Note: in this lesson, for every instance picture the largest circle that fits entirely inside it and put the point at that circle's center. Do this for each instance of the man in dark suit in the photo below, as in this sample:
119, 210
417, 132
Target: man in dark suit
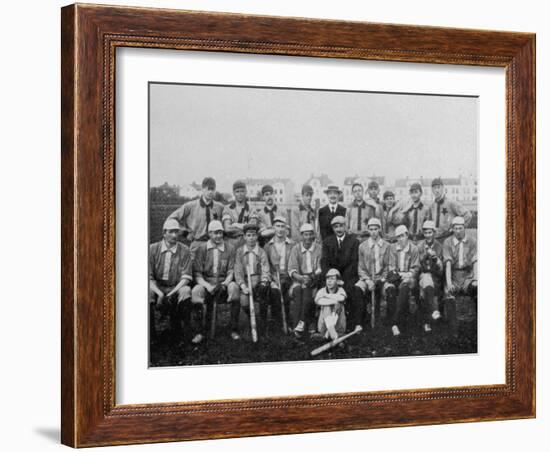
331, 210
340, 251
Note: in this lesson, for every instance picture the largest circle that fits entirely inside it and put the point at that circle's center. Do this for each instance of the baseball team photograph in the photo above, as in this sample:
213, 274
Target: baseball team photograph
290, 225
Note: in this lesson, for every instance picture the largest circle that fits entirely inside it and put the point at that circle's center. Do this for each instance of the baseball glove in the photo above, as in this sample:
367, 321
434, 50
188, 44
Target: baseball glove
393, 278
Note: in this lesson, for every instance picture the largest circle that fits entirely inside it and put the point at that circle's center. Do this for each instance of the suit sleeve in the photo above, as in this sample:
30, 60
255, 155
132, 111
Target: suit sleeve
325, 262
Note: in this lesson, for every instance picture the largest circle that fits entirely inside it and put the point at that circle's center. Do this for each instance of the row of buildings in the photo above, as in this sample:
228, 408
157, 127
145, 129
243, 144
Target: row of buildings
461, 188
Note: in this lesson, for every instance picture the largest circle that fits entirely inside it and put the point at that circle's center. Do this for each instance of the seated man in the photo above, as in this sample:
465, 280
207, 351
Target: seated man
372, 268
170, 268
404, 265
460, 260
251, 260
304, 267
214, 266
431, 269
278, 253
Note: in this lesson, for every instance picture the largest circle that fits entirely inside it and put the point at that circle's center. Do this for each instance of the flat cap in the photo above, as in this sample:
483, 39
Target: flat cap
333, 272
279, 219
458, 220
267, 189
209, 182
428, 224
416, 186
437, 181
338, 220
307, 227
170, 224
238, 184
215, 225
250, 227
307, 189
401, 229
374, 222
373, 184
388, 193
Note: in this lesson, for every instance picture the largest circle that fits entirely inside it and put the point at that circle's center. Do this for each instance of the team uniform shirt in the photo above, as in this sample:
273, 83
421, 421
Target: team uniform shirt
463, 255
278, 255
256, 259
443, 211
194, 216
302, 215
267, 216
414, 217
392, 219
214, 262
404, 259
375, 210
168, 266
305, 261
427, 265
374, 258
356, 214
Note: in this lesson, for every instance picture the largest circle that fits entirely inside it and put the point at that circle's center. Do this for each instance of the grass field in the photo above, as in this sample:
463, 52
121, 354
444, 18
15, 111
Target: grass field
169, 351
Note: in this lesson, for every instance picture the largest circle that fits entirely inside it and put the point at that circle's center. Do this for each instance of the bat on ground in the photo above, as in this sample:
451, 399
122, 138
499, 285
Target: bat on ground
333, 343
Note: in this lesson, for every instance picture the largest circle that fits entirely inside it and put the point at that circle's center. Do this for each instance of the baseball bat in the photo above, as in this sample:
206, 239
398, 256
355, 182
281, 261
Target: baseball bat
285, 328
251, 305
372, 303
333, 343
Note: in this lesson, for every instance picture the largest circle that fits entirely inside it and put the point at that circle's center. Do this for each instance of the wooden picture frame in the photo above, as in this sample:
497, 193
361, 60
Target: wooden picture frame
90, 35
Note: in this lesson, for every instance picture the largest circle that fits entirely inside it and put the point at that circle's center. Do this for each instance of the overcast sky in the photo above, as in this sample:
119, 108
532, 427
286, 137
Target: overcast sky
239, 132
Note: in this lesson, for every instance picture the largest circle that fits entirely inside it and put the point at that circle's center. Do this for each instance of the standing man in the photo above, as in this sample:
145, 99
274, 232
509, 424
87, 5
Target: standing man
195, 216
374, 256
404, 265
304, 213
170, 269
375, 209
250, 257
415, 213
444, 210
460, 260
340, 251
266, 215
236, 215
430, 253
330, 211
392, 216
304, 267
278, 254
356, 214
214, 267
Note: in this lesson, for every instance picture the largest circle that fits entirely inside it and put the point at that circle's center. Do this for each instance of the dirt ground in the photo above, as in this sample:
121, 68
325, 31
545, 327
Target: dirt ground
168, 350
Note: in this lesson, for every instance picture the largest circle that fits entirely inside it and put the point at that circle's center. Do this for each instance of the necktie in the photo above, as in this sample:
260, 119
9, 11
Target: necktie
271, 216
216, 262
339, 244
415, 220
241, 215
332, 210
438, 214
309, 215
460, 254
359, 208
376, 259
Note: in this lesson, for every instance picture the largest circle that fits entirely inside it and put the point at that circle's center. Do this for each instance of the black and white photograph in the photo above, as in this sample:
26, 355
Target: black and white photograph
291, 224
